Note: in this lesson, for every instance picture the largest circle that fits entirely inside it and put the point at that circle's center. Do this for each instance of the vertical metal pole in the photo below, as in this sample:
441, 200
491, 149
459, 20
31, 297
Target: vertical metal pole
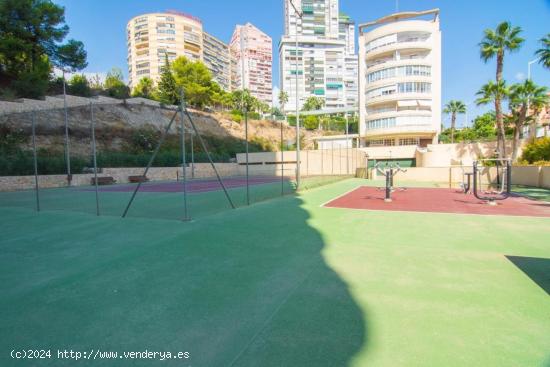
92, 123
332, 158
347, 147
307, 162
192, 157
388, 186
245, 112
67, 150
246, 154
282, 162
322, 162
297, 107
183, 158
340, 159
35, 159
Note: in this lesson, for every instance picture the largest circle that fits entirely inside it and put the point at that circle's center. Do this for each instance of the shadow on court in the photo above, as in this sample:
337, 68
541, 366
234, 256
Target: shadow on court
248, 287
536, 268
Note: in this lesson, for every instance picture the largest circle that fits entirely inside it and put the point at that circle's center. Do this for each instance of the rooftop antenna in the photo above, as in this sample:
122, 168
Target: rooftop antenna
397, 6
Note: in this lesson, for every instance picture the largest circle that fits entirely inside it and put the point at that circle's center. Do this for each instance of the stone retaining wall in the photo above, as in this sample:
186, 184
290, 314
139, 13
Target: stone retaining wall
202, 170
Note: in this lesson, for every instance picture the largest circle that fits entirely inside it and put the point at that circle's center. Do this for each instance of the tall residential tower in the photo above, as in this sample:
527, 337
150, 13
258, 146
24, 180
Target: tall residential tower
325, 61
251, 50
400, 79
153, 37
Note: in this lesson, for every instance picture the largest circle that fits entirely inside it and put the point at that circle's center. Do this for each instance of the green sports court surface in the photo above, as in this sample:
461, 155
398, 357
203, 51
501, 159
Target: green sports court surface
284, 282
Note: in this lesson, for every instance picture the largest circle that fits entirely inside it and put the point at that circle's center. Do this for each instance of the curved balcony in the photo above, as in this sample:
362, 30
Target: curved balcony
371, 68
395, 113
420, 129
396, 97
392, 47
397, 79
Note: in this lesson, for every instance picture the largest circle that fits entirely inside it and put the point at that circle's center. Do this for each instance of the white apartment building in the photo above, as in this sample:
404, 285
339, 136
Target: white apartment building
152, 37
252, 51
400, 79
325, 61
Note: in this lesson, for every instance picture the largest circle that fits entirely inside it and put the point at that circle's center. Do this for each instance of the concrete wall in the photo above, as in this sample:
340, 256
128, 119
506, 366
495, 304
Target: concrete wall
202, 170
452, 176
437, 155
340, 161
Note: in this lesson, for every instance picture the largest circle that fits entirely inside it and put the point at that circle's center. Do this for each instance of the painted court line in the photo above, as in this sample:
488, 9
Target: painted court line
338, 197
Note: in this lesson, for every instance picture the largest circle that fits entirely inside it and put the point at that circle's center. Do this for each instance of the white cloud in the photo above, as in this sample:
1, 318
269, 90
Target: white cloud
520, 76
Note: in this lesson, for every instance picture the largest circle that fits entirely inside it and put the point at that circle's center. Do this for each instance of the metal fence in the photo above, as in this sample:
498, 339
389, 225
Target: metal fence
66, 160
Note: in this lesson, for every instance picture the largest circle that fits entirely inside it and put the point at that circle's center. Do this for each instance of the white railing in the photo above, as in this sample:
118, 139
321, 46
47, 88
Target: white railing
402, 129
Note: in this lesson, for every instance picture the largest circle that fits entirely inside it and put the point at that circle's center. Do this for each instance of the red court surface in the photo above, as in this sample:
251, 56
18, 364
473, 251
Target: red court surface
438, 201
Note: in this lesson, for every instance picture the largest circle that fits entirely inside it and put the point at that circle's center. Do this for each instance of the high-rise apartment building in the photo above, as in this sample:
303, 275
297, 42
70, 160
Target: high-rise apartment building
153, 37
252, 50
325, 60
400, 79
217, 58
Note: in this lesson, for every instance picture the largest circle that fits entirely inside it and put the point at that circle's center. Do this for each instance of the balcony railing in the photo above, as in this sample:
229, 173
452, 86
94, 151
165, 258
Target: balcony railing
402, 129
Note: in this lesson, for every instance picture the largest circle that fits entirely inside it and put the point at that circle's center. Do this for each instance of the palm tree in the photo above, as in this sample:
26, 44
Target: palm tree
505, 38
490, 93
453, 107
526, 98
544, 52
283, 99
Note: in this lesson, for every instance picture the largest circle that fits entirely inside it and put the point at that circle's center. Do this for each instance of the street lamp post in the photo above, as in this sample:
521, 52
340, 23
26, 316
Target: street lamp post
298, 15
67, 152
529, 67
531, 133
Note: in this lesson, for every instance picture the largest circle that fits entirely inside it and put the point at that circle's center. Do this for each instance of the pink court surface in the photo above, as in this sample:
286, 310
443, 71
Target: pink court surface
436, 200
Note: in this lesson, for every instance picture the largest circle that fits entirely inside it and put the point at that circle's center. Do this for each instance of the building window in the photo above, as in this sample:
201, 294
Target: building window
381, 123
414, 87
410, 70
381, 143
409, 141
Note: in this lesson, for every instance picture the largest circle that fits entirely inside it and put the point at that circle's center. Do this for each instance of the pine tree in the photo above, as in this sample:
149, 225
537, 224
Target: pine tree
168, 92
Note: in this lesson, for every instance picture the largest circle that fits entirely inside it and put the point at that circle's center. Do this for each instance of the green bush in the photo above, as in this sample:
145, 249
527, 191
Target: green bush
236, 117
79, 86
261, 144
311, 122
137, 153
536, 151
254, 116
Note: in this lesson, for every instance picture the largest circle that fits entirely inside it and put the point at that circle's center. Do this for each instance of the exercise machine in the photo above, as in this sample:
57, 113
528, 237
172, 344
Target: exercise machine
389, 171
503, 179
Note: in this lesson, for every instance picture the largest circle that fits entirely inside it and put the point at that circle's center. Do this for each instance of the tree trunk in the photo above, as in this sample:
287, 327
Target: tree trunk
453, 121
501, 135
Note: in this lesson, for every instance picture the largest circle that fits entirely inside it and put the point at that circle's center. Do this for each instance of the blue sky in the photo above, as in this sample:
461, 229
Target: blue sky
100, 24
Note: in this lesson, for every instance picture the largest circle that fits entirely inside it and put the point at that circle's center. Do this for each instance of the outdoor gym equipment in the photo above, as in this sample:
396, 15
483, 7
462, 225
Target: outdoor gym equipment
389, 171
504, 180
466, 184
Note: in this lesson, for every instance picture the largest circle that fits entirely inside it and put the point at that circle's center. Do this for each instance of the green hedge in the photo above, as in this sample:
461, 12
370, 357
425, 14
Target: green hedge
22, 164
